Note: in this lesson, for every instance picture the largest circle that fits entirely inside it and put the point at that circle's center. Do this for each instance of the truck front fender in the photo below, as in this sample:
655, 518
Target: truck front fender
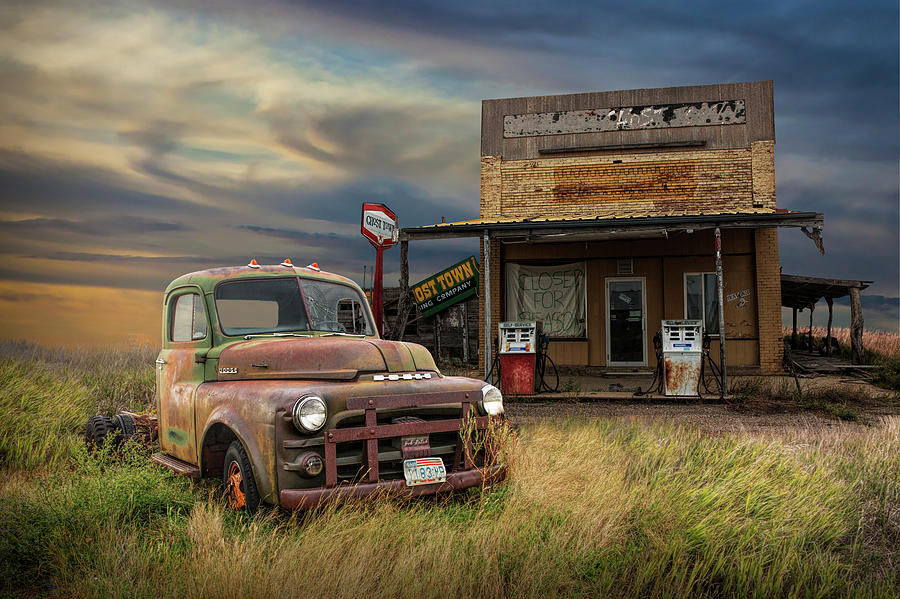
257, 439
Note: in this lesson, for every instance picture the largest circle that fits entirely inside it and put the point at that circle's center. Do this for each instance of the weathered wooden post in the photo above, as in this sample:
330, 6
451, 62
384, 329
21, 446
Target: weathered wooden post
405, 300
856, 327
437, 336
794, 333
465, 331
830, 303
809, 341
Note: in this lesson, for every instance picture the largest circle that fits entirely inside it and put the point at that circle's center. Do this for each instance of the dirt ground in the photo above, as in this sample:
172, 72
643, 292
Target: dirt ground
869, 403
612, 396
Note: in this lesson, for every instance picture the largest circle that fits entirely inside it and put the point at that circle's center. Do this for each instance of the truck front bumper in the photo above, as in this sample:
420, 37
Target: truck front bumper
456, 481
462, 471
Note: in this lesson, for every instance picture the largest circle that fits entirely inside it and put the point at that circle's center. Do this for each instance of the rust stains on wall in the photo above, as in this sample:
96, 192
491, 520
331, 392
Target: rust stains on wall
658, 181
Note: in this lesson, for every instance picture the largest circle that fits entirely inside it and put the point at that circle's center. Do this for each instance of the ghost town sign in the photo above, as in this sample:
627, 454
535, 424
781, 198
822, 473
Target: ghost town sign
448, 287
694, 114
379, 225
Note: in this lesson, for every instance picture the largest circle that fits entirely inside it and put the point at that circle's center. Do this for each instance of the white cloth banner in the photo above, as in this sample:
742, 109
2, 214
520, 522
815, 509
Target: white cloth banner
554, 294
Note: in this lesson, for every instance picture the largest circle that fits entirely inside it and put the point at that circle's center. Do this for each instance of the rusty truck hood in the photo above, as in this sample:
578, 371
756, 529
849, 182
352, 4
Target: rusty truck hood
320, 358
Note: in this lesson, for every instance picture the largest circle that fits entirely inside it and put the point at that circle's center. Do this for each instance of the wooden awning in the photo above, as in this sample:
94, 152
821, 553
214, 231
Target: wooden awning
803, 292
554, 229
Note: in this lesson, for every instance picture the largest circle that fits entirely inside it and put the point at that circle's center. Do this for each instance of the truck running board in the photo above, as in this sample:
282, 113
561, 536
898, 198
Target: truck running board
179, 466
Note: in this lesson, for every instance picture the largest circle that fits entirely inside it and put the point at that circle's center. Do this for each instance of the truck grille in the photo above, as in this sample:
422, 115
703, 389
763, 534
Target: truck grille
350, 467
383, 422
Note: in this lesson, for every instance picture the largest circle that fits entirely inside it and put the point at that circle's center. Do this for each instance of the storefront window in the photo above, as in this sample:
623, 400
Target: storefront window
701, 300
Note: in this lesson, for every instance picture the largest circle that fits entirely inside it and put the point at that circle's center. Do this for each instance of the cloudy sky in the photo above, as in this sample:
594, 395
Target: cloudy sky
142, 141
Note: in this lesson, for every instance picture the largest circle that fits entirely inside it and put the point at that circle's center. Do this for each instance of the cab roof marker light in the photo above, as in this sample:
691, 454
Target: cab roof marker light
313, 266
253, 263
287, 262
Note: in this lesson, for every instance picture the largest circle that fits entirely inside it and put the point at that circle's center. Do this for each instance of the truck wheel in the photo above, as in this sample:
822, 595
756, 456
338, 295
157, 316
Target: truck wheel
96, 431
239, 485
125, 427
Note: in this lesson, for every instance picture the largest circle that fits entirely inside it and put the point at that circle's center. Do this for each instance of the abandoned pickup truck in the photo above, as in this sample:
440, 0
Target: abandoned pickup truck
276, 378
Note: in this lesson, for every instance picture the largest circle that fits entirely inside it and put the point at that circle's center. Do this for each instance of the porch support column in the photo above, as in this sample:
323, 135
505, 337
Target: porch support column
856, 326
404, 300
794, 332
830, 303
486, 266
809, 341
721, 297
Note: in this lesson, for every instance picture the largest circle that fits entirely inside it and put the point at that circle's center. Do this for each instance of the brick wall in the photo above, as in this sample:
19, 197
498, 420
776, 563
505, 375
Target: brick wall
762, 158
768, 300
490, 187
635, 184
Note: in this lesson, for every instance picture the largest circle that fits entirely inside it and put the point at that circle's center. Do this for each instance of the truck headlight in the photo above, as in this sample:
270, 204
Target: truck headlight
491, 400
309, 414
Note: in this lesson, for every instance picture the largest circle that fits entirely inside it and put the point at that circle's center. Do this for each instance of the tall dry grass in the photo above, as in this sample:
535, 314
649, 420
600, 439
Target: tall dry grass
879, 342
591, 509
879, 348
47, 395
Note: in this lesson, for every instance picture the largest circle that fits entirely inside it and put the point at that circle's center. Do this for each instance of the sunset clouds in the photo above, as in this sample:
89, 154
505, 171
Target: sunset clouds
141, 141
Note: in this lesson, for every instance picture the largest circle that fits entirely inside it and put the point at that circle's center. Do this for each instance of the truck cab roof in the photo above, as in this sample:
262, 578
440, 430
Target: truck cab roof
209, 278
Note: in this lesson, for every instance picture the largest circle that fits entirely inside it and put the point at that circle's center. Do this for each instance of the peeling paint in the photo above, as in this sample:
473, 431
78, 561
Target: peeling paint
697, 114
176, 436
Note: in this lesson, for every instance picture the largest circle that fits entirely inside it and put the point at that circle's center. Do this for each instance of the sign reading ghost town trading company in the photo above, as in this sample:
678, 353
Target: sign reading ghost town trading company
448, 287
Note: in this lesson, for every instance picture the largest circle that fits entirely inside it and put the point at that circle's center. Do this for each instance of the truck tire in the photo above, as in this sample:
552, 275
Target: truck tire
125, 426
238, 481
97, 430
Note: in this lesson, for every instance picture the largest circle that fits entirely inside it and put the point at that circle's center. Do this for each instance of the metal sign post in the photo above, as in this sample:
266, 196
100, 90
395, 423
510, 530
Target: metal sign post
487, 303
721, 285
379, 226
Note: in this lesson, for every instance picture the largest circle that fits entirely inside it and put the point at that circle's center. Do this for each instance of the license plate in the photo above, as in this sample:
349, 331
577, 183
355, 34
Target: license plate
424, 471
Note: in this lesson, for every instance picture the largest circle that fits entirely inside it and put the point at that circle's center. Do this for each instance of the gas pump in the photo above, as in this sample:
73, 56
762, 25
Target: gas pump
518, 343
682, 351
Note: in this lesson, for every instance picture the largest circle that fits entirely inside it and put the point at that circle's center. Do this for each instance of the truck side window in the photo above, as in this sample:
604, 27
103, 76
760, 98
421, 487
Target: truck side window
188, 318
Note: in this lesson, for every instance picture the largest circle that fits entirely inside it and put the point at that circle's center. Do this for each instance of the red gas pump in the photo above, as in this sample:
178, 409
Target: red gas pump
517, 349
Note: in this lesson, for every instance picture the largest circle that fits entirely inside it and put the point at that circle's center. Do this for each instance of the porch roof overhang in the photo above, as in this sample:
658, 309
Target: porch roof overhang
803, 292
561, 229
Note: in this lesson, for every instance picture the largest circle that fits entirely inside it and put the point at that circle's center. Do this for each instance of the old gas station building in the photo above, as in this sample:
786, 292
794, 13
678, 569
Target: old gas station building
600, 214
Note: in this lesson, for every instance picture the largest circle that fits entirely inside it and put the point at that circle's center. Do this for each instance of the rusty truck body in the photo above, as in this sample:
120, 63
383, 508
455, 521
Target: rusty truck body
275, 378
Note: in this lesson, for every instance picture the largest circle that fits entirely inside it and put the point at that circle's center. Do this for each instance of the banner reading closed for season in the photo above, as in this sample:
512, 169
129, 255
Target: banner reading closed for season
554, 294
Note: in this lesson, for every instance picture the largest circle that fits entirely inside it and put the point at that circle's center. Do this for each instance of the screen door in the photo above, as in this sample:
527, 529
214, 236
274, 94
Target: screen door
626, 342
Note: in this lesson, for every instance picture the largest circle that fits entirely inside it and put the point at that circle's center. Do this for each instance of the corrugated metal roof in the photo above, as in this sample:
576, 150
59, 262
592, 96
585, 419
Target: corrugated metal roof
605, 217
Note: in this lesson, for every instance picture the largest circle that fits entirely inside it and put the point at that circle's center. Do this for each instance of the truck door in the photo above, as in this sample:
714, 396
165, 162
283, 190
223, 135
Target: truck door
180, 370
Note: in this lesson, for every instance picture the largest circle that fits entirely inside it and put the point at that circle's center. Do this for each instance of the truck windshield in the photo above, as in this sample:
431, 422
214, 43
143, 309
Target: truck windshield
277, 306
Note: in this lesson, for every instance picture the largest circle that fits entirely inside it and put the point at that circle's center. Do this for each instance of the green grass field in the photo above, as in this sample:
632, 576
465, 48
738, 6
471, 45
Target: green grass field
591, 509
